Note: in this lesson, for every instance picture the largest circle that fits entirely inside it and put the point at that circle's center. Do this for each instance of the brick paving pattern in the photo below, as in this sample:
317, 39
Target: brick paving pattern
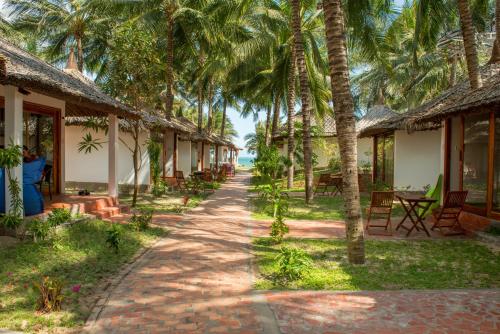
381, 312
199, 280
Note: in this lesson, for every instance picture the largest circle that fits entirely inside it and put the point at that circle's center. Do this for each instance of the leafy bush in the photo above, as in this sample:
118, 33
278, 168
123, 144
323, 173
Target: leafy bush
39, 229
114, 237
292, 263
141, 221
58, 216
11, 157
278, 227
50, 294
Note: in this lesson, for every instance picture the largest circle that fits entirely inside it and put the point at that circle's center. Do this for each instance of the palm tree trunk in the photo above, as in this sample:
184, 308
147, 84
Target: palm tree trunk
224, 111
200, 107
291, 117
210, 105
469, 44
304, 96
169, 103
495, 51
346, 126
276, 116
79, 47
268, 124
453, 70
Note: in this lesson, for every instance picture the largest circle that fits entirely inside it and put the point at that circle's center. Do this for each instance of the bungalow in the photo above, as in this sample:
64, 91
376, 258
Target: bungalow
402, 160
325, 146
455, 135
470, 122
36, 98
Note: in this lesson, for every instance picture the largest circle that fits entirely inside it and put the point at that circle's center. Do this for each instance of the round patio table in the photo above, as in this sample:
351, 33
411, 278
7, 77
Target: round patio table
411, 204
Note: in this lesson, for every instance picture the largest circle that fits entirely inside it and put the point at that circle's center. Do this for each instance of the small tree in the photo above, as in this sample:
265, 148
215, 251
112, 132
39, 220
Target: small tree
154, 152
134, 75
10, 158
271, 165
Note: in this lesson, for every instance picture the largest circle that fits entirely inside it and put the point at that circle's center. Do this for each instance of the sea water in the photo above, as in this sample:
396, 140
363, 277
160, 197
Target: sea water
245, 161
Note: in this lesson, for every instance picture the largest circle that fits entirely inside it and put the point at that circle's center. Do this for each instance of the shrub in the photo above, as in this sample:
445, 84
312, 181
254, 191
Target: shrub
58, 216
50, 294
114, 237
278, 227
39, 229
141, 221
11, 157
292, 263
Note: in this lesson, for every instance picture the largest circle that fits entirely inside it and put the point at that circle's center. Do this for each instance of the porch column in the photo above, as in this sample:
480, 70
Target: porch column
113, 156
62, 151
216, 158
13, 134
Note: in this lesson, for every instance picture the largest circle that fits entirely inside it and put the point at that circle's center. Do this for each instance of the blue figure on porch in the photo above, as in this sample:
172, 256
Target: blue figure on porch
32, 198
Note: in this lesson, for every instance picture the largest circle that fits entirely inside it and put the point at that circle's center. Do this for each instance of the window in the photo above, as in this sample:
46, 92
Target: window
475, 159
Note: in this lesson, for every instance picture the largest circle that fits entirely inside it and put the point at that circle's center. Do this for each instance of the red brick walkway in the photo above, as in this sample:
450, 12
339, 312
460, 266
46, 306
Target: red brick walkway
199, 280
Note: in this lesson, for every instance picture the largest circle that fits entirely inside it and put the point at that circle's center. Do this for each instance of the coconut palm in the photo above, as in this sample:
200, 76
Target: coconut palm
346, 126
304, 96
470, 46
60, 25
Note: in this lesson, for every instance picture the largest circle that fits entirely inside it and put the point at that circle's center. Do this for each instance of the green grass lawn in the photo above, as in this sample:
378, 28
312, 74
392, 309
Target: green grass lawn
390, 265
78, 255
322, 208
169, 203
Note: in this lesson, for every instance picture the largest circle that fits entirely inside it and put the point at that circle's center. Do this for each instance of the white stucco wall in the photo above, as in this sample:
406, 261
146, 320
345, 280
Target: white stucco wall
455, 153
194, 156
184, 157
206, 158
93, 167
169, 150
417, 159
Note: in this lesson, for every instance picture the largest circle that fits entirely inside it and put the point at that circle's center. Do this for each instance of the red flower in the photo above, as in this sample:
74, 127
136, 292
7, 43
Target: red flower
76, 288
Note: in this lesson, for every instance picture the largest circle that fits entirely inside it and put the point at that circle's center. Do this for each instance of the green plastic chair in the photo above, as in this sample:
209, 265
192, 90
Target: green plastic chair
434, 193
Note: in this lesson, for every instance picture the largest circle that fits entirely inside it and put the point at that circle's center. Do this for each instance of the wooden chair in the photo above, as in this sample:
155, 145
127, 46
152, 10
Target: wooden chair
381, 207
446, 217
181, 182
322, 184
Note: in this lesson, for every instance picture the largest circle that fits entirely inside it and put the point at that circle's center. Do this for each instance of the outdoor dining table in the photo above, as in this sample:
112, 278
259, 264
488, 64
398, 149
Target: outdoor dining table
411, 203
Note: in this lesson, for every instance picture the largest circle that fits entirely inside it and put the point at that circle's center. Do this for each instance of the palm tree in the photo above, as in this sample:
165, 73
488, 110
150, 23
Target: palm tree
346, 126
60, 24
469, 44
305, 98
291, 118
495, 53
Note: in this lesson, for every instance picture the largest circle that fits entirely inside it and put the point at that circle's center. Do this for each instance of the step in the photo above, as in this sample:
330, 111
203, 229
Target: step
106, 213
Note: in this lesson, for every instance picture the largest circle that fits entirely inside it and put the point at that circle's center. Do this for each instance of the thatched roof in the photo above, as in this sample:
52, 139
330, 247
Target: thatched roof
373, 120
22, 69
459, 99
